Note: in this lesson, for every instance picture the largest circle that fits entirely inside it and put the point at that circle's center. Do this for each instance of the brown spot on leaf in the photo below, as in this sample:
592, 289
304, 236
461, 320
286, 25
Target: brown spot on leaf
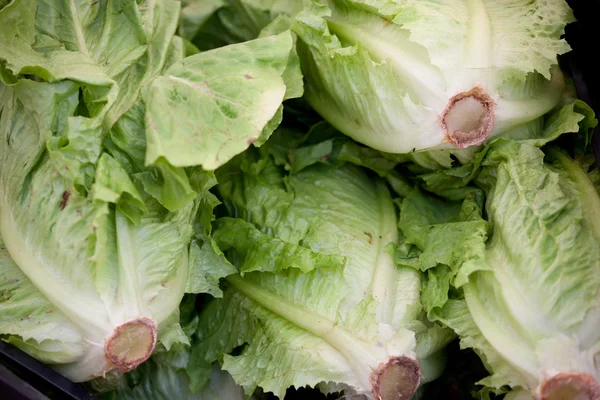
248, 76
5, 295
369, 236
64, 200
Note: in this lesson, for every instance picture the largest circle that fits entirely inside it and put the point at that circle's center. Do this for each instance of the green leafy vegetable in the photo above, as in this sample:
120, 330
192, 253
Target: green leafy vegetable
320, 301
530, 290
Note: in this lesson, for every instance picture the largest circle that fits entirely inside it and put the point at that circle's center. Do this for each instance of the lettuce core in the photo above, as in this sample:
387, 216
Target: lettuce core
570, 386
468, 118
131, 344
399, 378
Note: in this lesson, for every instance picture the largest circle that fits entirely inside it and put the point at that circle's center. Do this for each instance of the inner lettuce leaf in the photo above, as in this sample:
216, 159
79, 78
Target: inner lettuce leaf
216, 23
519, 283
330, 309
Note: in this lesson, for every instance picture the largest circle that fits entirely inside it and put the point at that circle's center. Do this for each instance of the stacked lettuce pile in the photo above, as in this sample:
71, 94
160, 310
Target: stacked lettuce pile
229, 198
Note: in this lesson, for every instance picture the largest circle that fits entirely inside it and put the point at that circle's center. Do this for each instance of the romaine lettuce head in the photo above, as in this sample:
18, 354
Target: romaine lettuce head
528, 274
404, 76
104, 125
318, 300
88, 276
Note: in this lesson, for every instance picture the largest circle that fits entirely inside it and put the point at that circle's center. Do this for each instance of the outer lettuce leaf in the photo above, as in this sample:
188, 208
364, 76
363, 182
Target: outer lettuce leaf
206, 109
44, 322
562, 200
509, 47
302, 358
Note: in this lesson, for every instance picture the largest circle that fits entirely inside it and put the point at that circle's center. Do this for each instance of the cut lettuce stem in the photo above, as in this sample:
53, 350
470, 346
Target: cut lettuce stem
399, 378
570, 386
131, 344
468, 118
